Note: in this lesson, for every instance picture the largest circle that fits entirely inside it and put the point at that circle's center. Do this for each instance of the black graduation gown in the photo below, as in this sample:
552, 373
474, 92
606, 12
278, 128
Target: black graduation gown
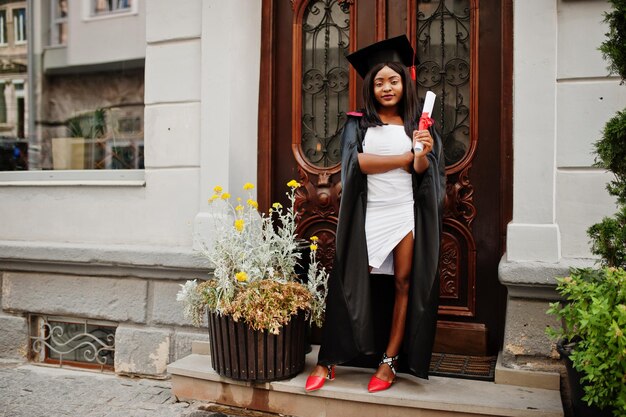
351, 306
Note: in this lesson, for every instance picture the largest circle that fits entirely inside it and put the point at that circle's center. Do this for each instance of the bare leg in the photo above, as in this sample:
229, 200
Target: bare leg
402, 263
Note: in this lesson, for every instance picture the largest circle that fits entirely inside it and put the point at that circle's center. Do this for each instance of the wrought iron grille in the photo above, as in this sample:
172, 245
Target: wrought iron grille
63, 340
443, 49
325, 34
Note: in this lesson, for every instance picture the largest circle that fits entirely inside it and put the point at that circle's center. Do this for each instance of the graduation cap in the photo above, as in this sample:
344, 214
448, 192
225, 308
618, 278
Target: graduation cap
396, 49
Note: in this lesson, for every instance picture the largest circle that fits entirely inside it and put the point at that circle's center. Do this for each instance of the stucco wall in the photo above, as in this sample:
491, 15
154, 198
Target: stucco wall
586, 99
201, 97
132, 242
562, 98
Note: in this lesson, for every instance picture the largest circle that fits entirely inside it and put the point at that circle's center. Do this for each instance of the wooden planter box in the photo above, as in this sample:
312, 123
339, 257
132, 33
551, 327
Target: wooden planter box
238, 352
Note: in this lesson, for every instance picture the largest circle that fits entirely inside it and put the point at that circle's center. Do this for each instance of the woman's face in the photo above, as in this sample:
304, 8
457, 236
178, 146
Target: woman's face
388, 87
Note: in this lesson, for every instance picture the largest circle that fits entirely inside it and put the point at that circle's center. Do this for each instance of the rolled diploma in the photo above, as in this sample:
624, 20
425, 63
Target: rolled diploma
425, 120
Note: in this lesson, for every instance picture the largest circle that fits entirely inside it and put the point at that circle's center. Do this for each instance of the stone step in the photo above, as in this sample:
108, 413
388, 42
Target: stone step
193, 378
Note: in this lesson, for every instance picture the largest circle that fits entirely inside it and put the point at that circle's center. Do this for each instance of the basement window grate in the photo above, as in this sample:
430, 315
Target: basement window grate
72, 341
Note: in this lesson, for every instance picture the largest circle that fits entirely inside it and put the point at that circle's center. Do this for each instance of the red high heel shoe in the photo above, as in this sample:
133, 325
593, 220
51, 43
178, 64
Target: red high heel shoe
376, 384
313, 383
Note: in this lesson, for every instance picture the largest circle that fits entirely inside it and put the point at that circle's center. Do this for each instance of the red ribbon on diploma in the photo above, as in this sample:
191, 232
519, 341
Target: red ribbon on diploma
425, 122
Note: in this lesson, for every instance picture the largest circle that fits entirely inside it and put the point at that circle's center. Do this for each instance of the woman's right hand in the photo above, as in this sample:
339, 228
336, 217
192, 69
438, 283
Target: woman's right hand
408, 161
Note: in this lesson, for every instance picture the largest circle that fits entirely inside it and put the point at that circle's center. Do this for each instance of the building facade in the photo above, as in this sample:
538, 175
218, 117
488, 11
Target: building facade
13, 84
103, 247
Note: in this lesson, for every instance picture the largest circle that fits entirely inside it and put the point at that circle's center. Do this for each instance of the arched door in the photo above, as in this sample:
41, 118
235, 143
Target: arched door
307, 88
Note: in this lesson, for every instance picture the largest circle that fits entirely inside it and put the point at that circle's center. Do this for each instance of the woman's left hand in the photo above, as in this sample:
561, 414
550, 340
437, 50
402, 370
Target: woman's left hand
422, 136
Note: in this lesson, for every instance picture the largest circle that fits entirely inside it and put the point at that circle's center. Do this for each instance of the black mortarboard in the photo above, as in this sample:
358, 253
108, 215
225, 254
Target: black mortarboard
396, 49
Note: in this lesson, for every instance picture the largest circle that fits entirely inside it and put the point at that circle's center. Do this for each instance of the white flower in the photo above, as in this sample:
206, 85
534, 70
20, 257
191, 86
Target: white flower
193, 304
187, 288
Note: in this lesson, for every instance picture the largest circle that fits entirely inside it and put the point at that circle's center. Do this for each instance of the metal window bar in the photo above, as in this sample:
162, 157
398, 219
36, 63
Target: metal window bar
74, 342
326, 37
443, 48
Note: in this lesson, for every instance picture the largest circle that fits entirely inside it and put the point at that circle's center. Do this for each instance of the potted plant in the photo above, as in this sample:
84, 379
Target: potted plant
76, 150
257, 307
592, 339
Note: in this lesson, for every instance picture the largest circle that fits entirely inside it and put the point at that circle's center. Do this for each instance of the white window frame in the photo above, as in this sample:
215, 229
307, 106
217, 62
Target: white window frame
4, 41
54, 22
69, 178
89, 11
17, 27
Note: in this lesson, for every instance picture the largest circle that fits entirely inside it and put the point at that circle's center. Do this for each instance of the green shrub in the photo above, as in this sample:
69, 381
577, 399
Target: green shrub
614, 48
611, 154
595, 314
609, 239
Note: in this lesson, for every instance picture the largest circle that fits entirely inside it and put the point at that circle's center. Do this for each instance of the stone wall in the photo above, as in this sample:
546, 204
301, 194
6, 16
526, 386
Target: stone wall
140, 298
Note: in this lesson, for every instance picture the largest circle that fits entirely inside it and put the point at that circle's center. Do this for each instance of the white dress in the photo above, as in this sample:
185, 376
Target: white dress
389, 215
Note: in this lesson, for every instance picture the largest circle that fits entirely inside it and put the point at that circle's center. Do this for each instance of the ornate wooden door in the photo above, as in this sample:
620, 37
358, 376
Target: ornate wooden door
465, 54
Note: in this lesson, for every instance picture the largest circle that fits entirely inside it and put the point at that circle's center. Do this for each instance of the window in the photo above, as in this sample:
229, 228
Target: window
325, 33
87, 117
105, 7
3, 27
70, 341
19, 25
58, 24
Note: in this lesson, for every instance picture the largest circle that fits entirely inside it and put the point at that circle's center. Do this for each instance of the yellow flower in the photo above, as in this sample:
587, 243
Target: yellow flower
239, 207
241, 276
213, 198
277, 206
239, 223
314, 238
313, 247
248, 186
238, 198
253, 203
293, 184
218, 189
225, 196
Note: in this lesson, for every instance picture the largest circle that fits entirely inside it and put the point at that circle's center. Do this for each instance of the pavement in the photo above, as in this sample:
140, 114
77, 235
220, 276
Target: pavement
28, 390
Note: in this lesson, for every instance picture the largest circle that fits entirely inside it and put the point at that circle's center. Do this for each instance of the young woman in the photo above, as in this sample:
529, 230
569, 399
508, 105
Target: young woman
389, 223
